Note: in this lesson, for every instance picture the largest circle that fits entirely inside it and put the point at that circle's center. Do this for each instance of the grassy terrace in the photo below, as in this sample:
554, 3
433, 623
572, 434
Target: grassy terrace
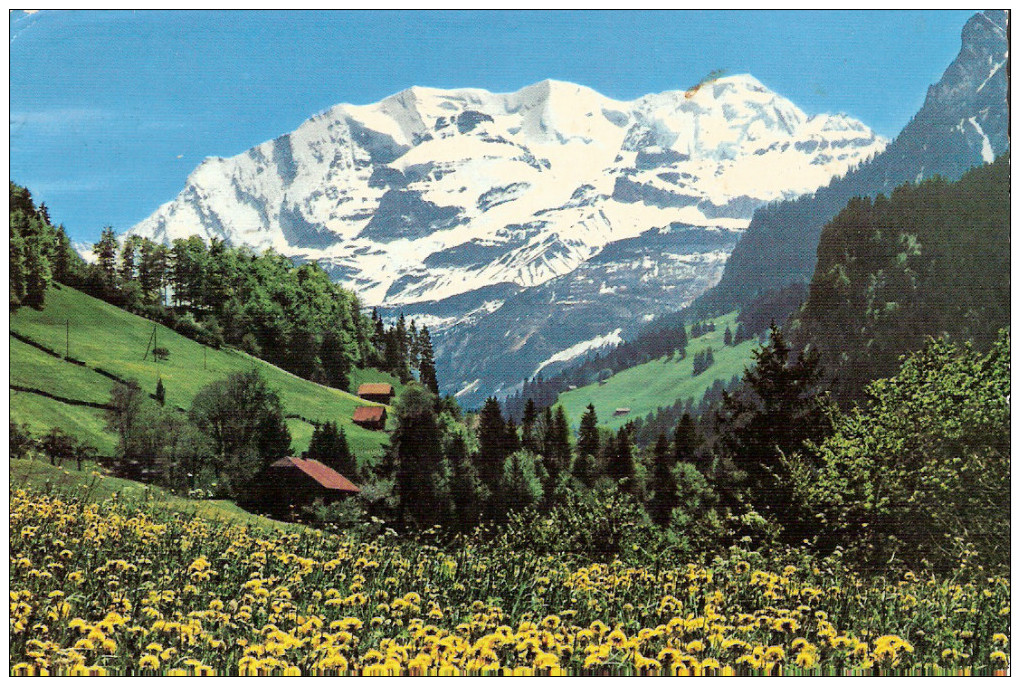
114, 340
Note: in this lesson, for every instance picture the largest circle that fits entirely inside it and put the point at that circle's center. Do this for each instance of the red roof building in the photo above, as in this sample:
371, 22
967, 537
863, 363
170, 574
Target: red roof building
373, 418
291, 483
376, 392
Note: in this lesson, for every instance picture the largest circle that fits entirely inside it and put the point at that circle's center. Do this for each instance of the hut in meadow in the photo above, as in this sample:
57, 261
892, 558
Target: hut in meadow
376, 392
292, 483
372, 418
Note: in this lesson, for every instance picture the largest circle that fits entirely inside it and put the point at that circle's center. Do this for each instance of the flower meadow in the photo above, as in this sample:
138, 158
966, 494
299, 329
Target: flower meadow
110, 588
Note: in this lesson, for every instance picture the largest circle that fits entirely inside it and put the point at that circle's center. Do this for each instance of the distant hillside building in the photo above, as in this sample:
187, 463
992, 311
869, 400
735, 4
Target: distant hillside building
622, 411
373, 418
376, 392
292, 483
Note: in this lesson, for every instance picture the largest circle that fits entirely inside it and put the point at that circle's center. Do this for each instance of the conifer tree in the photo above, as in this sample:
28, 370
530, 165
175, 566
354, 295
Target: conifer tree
106, 255
529, 419
427, 363
416, 449
17, 271
37, 275
585, 463
127, 258
664, 489
620, 464
492, 451
728, 336
160, 392
686, 439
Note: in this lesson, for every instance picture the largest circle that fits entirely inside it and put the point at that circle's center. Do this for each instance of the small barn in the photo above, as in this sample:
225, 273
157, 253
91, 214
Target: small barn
373, 418
622, 411
291, 483
376, 392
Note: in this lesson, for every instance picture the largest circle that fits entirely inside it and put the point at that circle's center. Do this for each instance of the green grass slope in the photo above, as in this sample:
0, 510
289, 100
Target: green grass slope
114, 340
661, 382
91, 486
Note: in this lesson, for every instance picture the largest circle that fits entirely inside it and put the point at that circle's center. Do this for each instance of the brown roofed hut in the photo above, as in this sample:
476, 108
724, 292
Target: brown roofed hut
373, 418
376, 392
292, 483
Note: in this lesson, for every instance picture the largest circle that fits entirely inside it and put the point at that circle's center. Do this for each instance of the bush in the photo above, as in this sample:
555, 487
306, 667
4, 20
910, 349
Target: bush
598, 525
932, 448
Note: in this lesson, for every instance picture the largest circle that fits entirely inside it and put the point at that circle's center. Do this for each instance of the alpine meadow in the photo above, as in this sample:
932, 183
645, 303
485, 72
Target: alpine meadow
529, 343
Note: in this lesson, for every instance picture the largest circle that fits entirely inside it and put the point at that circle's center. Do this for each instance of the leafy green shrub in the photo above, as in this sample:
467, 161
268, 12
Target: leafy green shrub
922, 473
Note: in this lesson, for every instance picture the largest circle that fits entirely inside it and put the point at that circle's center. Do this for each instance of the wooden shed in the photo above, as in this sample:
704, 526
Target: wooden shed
373, 418
291, 483
376, 392
622, 411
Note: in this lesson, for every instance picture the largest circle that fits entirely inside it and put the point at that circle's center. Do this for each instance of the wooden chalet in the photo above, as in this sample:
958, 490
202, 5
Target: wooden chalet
376, 392
372, 418
622, 411
292, 483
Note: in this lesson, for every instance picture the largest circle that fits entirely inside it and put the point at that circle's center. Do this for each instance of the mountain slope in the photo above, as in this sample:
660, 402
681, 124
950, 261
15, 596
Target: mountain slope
932, 259
964, 122
449, 203
112, 343
646, 388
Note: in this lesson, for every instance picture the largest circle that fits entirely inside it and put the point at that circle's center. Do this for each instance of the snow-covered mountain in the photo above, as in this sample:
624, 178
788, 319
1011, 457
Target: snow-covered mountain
451, 202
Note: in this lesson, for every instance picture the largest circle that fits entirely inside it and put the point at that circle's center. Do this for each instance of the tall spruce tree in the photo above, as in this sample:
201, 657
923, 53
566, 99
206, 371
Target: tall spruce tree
556, 447
586, 462
416, 448
686, 439
106, 255
664, 489
492, 451
427, 362
620, 463
778, 410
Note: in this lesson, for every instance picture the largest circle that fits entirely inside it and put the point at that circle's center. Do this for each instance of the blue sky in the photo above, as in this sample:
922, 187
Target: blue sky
110, 111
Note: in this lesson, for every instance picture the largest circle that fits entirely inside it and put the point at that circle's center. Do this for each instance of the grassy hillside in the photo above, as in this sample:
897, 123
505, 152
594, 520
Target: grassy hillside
88, 485
661, 382
115, 341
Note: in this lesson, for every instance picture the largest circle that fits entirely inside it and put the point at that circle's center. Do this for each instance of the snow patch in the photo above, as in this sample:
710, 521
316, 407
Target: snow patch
986, 145
609, 340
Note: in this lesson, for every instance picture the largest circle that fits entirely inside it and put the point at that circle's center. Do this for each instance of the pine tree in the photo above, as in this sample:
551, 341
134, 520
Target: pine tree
587, 447
520, 485
416, 448
492, 450
336, 360
777, 411
106, 255
556, 447
686, 439
160, 392
620, 466
464, 484
127, 258
64, 257
37, 275
427, 363
728, 336
528, 435
664, 489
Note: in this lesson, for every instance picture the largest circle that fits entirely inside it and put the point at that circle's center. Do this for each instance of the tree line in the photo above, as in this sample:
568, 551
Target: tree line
291, 315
